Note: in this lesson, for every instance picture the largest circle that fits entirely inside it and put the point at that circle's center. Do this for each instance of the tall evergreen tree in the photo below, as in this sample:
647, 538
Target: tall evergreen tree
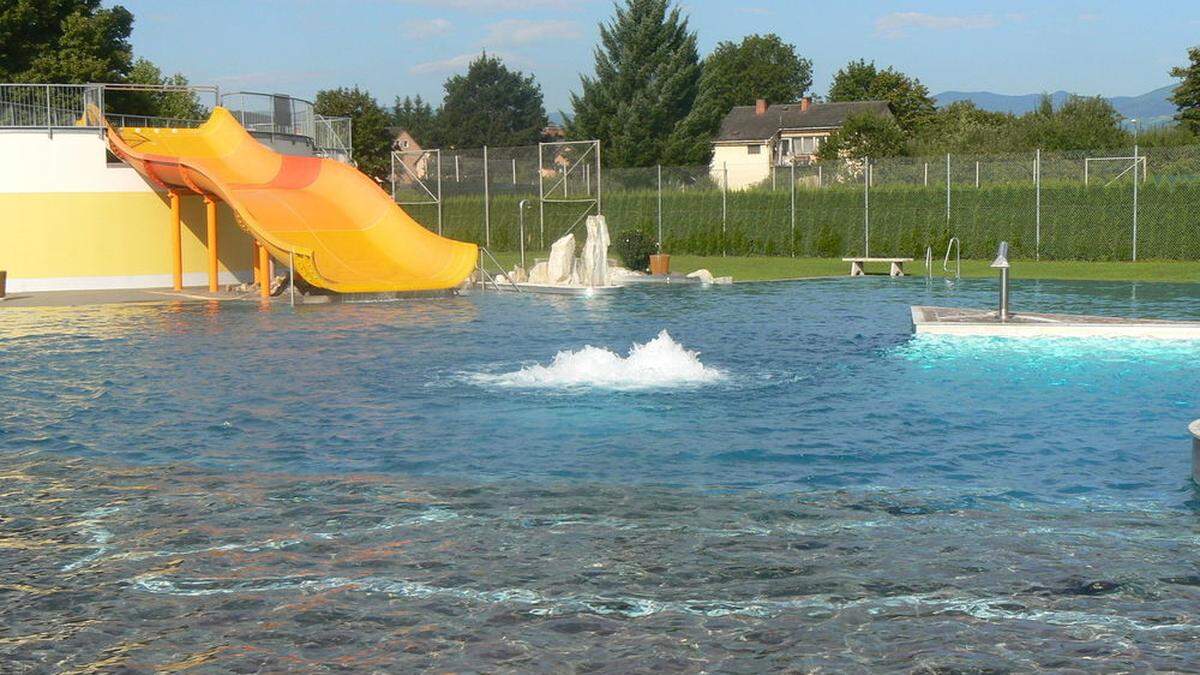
1186, 96
646, 80
417, 117
491, 105
760, 66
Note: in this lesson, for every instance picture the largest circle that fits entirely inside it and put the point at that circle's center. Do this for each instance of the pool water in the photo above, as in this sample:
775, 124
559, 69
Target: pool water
784, 477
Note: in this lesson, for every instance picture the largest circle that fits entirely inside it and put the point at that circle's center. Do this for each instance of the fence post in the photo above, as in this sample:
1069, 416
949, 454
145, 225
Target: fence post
1135, 201
1037, 189
947, 190
514, 170
724, 204
541, 201
866, 207
487, 209
660, 237
793, 212
976, 174
926, 174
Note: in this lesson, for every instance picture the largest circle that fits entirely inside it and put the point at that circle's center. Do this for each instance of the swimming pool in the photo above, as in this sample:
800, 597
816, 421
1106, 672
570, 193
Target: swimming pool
423, 484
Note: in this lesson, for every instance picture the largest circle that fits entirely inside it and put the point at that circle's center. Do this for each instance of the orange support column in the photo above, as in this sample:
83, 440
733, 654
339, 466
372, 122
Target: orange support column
176, 244
210, 215
264, 272
254, 259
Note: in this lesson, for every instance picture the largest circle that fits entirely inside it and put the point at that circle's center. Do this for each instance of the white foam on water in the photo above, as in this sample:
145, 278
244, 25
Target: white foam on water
659, 363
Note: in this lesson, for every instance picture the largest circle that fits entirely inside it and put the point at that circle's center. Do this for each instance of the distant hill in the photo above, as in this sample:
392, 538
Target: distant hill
1151, 108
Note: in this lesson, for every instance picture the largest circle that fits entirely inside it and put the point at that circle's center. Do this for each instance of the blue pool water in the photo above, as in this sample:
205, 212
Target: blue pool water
815, 488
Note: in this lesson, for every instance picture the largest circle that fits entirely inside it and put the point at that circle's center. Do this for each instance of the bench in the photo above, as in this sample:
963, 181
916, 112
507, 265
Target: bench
856, 265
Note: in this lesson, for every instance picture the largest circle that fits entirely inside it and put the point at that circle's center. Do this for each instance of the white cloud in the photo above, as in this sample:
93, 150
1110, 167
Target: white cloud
495, 5
526, 31
898, 24
461, 61
423, 29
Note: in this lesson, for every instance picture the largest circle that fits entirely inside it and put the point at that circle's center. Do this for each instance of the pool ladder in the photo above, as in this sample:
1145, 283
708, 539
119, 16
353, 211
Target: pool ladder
956, 244
486, 277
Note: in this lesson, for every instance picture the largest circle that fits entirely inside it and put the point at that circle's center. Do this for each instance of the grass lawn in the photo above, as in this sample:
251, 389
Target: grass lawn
744, 268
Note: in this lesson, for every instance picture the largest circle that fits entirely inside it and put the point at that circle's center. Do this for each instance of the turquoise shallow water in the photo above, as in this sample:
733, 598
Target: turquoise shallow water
399, 485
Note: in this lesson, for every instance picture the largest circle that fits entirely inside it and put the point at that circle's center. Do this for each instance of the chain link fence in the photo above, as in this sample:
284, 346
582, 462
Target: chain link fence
1103, 205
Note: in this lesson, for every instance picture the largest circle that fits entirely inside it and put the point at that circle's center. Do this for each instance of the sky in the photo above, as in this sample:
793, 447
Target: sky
409, 47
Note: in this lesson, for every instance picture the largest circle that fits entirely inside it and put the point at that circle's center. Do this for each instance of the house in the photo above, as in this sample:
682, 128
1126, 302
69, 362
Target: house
410, 153
755, 138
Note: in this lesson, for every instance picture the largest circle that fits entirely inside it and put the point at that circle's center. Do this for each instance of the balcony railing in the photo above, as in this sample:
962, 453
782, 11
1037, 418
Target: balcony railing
76, 106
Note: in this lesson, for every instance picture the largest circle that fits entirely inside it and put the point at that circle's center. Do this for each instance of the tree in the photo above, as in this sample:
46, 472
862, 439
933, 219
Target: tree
963, 127
416, 117
490, 105
864, 135
176, 104
70, 41
862, 81
646, 80
760, 66
1186, 96
372, 141
1080, 123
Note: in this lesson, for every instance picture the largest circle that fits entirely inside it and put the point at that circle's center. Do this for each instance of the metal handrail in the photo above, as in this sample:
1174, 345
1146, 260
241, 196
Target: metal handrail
498, 266
956, 244
1001, 263
928, 262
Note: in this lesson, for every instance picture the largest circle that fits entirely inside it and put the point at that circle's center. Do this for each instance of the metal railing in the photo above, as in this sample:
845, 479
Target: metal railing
282, 114
48, 106
62, 106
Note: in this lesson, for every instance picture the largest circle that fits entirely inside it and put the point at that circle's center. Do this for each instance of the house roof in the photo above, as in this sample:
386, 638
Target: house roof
742, 124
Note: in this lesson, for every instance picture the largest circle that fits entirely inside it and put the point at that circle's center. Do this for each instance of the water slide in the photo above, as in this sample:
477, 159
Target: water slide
345, 232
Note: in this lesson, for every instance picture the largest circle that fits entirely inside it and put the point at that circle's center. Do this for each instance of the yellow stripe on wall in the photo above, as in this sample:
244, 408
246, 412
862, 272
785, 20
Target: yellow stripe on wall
93, 234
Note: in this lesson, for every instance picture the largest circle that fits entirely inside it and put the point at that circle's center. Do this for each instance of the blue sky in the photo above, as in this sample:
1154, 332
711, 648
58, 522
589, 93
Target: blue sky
403, 47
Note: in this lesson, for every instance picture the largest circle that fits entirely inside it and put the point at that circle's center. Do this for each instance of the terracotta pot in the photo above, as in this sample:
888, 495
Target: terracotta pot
660, 264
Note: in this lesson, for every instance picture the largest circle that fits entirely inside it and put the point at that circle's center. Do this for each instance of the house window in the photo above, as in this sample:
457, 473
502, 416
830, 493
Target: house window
753, 149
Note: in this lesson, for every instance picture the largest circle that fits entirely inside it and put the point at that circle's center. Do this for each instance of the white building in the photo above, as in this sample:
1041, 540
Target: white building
753, 138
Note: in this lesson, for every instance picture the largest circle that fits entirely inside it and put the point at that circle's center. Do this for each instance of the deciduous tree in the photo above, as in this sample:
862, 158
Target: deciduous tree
862, 81
371, 139
738, 73
64, 41
864, 135
491, 105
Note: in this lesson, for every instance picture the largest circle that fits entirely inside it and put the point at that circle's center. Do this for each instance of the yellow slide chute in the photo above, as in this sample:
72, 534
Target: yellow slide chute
345, 233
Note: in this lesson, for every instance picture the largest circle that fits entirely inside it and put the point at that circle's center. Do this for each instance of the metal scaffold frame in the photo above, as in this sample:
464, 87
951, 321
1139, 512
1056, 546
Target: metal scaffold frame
434, 192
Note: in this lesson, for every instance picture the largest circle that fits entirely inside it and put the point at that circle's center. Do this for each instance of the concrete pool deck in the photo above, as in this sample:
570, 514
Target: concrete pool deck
120, 296
1194, 427
983, 322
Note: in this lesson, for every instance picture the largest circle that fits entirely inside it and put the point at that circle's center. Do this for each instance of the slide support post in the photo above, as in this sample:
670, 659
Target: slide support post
176, 244
210, 217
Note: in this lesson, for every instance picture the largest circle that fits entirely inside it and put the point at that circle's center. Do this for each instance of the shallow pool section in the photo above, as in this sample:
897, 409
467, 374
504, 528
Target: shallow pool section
786, 477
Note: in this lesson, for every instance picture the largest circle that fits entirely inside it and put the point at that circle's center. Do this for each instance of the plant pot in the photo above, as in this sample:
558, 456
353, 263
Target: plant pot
660, 264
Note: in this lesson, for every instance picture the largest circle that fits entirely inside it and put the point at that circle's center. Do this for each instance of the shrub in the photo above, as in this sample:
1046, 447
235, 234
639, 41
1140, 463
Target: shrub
634, 248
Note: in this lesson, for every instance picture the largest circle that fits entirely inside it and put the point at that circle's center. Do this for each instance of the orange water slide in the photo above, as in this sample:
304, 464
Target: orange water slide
344, 232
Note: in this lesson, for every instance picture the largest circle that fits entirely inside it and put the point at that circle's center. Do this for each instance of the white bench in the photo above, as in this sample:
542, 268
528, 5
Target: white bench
856, 265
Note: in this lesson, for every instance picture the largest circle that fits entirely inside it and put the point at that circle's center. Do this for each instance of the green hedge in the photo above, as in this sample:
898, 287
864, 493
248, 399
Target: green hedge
1078, 222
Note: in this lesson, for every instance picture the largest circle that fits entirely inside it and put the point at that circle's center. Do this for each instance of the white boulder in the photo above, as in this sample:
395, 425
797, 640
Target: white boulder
562, 260
703, 275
